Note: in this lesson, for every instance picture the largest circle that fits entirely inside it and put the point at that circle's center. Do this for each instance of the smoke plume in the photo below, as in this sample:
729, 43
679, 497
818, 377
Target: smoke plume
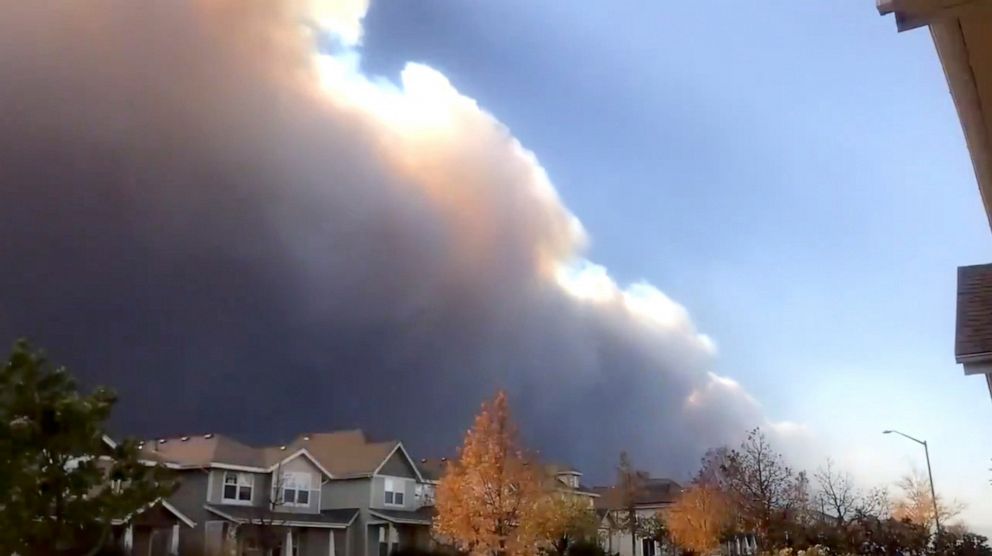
206, 205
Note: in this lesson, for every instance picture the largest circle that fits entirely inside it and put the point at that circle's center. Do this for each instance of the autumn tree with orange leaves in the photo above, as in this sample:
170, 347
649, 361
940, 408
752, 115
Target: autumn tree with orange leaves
699, 518
489, 500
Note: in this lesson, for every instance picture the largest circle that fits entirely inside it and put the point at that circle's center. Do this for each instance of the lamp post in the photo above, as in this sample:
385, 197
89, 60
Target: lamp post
933, 492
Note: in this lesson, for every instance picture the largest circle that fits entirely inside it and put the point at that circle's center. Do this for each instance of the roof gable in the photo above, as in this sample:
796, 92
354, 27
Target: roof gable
398, 464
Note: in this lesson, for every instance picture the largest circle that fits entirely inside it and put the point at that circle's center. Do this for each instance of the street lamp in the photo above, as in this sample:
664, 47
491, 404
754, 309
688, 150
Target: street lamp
933, 492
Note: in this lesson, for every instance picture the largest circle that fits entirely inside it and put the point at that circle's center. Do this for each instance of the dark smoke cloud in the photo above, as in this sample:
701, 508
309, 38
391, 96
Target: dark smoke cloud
191, 213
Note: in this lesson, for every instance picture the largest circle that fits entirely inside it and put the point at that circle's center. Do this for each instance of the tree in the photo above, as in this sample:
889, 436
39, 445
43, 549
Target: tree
836, 495
488, 501
699, 519
565, 520
262, 527
916, 502
61, 485
655, 528
961, 543
764, 489
630, 483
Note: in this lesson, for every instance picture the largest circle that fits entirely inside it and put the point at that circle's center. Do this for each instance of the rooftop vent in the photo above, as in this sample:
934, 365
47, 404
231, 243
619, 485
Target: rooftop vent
161, 441
184, 439
208, 435
282, 447
423, 460
444, 459
306, 437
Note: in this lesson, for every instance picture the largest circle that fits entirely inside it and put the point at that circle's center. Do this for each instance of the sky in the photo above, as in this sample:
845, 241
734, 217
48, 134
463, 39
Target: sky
794, 174
655, 225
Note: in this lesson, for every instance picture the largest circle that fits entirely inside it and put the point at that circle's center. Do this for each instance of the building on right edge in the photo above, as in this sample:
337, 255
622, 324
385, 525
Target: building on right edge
962, 34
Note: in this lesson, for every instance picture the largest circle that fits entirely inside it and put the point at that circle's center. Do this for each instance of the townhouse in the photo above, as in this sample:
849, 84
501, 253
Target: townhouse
326, 494
655, 497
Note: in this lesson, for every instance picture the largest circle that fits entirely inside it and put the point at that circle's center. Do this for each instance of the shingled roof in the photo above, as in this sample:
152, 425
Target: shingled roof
973, 338
343, 454
654, 492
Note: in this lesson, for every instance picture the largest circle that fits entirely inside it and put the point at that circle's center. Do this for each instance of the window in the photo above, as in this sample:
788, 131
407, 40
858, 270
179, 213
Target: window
647, 547
238, 486
394, 492
296, 488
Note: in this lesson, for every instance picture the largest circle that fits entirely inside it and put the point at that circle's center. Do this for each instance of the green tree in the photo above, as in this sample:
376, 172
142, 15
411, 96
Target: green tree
61, 485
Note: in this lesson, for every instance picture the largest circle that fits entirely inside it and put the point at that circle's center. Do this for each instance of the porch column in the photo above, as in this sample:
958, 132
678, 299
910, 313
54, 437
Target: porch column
287, 547
128, 539
330, 542
174, 540
390, 531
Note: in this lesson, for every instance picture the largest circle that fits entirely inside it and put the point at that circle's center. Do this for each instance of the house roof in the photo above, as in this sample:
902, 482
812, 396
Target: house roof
341, 454
331, 519
554, 472
421, 516
974, 315
204, 450
432, 469
346, 453
654, 492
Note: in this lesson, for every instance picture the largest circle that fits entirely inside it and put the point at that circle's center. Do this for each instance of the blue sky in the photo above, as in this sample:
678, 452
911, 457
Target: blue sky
794, 173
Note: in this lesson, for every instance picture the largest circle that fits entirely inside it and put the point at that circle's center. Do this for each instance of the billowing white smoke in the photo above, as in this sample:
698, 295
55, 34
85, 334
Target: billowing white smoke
243, 233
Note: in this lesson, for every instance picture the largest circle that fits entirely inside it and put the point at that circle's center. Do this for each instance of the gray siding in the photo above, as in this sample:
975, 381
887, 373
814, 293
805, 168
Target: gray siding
259, 495
303, 465
189, 499
356, 537
352, 493
398, 466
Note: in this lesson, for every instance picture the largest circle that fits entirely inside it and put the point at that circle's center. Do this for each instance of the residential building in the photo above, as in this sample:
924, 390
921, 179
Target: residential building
652, 499
962, 35
566, 479
334, 494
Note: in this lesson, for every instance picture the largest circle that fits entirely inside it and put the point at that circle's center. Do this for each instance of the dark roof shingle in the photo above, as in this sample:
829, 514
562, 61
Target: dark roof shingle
337, 518
974, 314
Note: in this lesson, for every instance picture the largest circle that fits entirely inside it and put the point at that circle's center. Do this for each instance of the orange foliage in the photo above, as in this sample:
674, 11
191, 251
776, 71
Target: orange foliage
489, 499
698, 518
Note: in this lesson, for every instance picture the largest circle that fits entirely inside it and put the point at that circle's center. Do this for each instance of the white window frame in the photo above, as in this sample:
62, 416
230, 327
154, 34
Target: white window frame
394, 487
241, 480
290, 481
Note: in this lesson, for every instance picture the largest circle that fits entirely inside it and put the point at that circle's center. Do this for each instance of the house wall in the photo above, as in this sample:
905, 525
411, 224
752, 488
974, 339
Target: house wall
618, 542
189, 499
356, 537
259, 495
300, 464
341, 540
351, 493
315, 542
